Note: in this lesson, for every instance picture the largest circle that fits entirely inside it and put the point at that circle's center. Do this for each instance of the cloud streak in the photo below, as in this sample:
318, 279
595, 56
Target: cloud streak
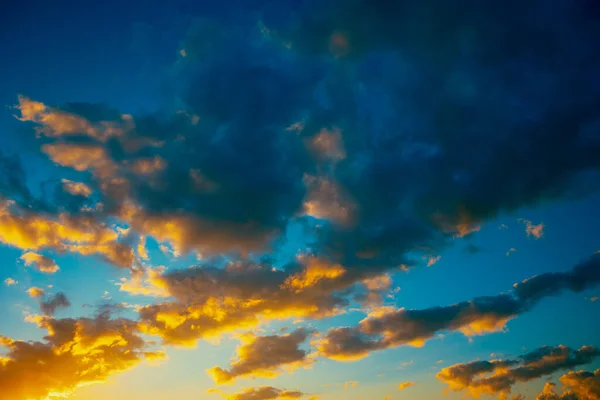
389, 327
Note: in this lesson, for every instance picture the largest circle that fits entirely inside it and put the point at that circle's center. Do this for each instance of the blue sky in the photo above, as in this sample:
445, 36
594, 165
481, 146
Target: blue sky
325, 200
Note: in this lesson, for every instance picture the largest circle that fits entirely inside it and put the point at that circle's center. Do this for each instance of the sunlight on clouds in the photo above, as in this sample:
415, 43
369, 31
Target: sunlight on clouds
537, 231
76, 188
314, 271
266, 357
76, 352
81, 157
350, 384
497, 377
326, 200
54, 122
148, 166
378, 136
262, 393
329, 145
145, 282
10, 282
35, 292
30, 231
406, 385
40, 262
460, 225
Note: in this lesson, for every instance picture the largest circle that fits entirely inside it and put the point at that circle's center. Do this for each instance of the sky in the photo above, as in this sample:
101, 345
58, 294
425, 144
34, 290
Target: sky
263, 200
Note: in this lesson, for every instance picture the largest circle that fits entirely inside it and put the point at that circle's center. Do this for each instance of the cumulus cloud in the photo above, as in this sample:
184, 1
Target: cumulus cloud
389, 327
208, 301
548, 393
76, 188
584, 384
30, 230
10, 282
266, 357
35, 292
40, 262
75, 352
537, 231
496, 377
263, 393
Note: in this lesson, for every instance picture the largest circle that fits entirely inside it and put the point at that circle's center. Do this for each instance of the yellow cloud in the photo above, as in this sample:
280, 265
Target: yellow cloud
76, 188
265, 357
405, 385
263, 393
40, 262
54, 122
315, 271
10, 282
76, 352
35, 292
27, 230
350, 384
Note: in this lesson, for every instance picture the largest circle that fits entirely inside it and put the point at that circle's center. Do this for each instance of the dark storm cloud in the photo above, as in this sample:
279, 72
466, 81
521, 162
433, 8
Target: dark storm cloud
396, 327
581, 277
443, 125
13, 178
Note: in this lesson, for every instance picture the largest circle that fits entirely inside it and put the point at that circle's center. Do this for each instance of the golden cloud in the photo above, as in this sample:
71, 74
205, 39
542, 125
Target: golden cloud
265, 357
76, 188
262, 393
55, 123
40, 262
75, 353
28, 230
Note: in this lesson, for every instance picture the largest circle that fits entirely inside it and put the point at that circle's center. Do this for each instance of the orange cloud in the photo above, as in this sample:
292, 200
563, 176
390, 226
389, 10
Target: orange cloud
76, 188
584, 384
82, 157
211, 301
27, 230
147, 166
75, 352
497, 377
40, 262
328, 145
35, 292
54, 122
537, 231
387, 327
406, 385
326, 200
265, 357
263, 393
10, 282
350, 384
316, 270
460, 225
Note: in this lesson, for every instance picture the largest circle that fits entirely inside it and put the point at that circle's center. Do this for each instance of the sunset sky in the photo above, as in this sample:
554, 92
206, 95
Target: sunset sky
319, 199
